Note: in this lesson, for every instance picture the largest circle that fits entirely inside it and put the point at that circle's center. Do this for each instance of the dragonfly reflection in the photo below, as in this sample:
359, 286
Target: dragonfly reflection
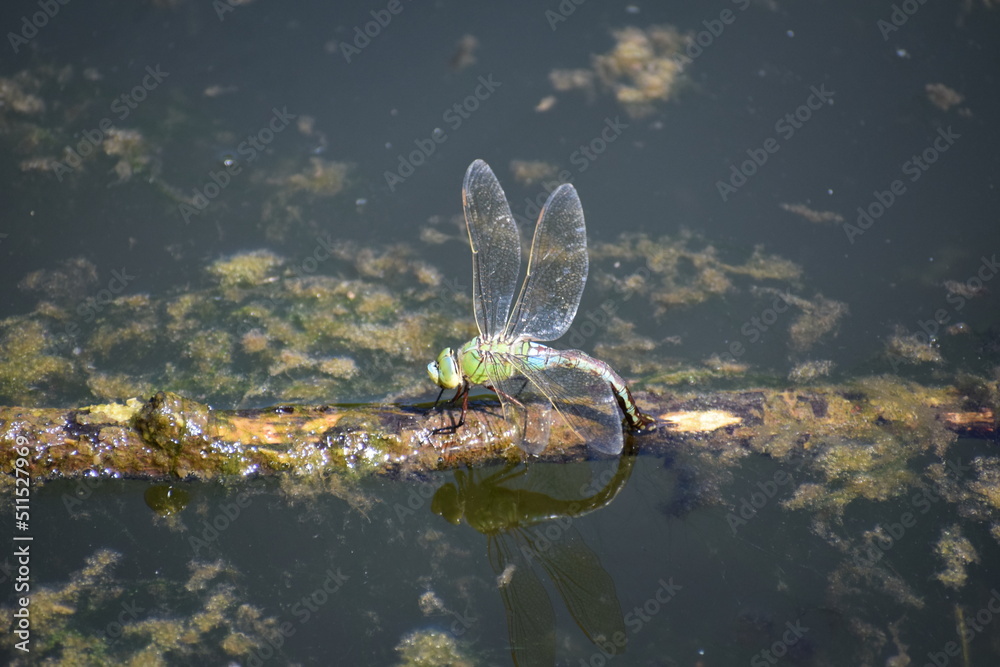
522, 526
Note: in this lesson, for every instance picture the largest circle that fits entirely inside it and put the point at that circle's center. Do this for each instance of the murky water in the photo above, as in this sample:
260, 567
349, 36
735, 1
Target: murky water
253, 203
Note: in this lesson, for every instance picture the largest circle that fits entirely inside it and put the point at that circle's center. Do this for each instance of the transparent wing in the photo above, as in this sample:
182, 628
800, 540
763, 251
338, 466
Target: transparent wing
585, 586
531, 622
496, 247
557, 271
534, 399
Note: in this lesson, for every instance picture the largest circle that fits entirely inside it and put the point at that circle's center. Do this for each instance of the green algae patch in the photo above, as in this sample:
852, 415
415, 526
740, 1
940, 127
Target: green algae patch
245, 269
175, 424
956, 552
643, 69
431, 648
682, 270
219, 622
862, 443
260, 332
323, 178
114, 412
28, 368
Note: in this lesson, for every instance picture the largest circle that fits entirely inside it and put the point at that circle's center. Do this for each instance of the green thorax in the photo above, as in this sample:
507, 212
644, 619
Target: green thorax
476, 358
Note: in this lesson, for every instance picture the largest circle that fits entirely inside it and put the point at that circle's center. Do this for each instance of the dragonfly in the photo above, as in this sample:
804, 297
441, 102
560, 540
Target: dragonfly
507, 356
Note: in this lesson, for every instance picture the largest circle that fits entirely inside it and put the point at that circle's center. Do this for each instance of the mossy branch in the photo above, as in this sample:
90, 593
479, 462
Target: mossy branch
169, 436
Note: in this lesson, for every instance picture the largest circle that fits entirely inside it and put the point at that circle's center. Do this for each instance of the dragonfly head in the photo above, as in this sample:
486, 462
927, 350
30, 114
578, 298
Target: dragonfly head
445, 370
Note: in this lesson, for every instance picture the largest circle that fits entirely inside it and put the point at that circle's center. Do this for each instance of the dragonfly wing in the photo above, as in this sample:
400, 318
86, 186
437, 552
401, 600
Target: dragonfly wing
585, 586
580, 399
532, 418
496, 247
557, 271
531, 622
522, 408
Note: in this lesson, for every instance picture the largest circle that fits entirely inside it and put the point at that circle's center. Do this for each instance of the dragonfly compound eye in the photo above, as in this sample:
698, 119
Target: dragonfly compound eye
445, 371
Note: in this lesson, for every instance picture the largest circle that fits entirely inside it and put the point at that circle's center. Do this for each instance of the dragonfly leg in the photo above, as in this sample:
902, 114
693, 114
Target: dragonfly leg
462, 392
503, 394
438, 399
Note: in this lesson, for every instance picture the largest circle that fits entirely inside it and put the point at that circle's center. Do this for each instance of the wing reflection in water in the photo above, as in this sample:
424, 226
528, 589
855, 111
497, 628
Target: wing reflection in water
524, 526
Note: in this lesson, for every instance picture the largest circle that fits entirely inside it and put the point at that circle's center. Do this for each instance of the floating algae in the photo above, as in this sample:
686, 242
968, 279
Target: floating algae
322, 178
256, 333
819, 317
248, 269
220, 624
809, 371
431, 648
29, 371
643, 68
530, 172
52, 118
956, 551
686, 270
916, 348
64, 285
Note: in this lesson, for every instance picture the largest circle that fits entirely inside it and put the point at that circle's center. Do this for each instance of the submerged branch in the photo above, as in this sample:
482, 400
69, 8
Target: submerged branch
169, 436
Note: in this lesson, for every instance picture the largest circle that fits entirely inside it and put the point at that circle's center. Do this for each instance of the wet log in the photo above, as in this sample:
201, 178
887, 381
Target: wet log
170, 437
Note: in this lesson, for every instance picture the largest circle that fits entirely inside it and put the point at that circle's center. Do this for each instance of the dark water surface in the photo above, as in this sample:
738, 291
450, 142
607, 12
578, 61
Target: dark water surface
290, 129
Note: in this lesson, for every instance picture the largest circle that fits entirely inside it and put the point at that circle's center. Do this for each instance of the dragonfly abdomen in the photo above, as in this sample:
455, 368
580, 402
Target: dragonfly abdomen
541, 356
